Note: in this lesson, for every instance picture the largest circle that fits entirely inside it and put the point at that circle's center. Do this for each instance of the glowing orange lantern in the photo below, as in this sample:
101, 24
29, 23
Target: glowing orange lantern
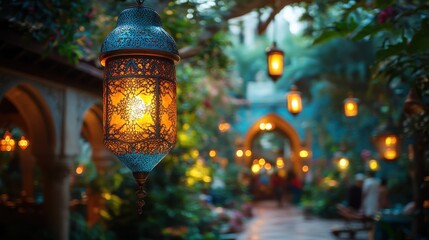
275, 62
351, 107
294, 103
387, 142
139, 92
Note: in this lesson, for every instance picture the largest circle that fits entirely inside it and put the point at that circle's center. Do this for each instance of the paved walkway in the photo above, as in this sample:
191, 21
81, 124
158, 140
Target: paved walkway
288, 223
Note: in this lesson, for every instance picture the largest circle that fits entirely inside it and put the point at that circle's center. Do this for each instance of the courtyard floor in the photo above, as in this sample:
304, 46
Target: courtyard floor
288, 223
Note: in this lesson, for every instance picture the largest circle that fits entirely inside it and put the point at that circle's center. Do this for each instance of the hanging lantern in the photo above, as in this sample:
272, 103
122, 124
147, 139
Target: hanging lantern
294, 104
351, 106
386, 141
139, 92
7, 143
23, 143
274, 61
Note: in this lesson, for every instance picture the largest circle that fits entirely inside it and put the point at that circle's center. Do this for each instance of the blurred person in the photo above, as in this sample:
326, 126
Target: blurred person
277, 186
354, 200
351, 210
295, 187
370, 193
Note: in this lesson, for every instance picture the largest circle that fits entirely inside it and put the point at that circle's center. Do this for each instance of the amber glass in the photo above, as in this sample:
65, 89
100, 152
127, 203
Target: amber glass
275, 64
294, 104
350, 107
139, 109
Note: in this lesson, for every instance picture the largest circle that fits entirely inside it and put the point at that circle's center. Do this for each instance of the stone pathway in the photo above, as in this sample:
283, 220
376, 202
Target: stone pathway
288, 223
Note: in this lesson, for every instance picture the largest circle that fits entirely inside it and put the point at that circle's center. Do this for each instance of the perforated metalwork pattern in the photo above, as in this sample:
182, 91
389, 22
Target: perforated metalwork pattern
139, 28
139, 109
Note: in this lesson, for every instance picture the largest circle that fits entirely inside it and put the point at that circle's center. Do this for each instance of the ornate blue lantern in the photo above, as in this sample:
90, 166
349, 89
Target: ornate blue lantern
139, 92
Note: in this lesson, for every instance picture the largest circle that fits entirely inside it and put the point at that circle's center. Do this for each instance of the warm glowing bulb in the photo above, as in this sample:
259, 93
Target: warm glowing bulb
136, 108
373, 165
390, 140
261, 161
23, 143
79, 170
248, 153
343, 163
256, 168
390, 154
7, 143
279, 163
262, 126
295, 104
350, 106
268, 166
239, 153
303, 153
212, 153
305, 168
268, 126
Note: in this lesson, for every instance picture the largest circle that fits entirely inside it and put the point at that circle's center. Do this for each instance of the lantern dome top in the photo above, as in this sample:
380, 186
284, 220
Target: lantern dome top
139, 31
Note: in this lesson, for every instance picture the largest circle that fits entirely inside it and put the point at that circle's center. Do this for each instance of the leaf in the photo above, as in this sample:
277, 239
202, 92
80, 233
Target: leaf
326, 36
391, 50
369, 30
420, 41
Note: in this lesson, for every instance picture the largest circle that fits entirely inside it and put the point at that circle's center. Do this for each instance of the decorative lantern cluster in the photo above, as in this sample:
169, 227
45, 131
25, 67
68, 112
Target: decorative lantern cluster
294, 103
386, 141
139, 92
7, 143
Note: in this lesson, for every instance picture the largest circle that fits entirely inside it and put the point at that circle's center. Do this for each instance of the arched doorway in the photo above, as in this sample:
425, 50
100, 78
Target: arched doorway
278, 125
24, 112
274, 145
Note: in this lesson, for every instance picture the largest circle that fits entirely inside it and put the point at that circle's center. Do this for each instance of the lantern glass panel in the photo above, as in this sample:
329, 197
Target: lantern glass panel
275, 64
294, 103
140, 109
350, 107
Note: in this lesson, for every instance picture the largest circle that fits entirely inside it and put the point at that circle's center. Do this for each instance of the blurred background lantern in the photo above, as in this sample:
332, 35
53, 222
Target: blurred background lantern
139, 92
23, 143
294, 104
274, 62
351, 106
386, 141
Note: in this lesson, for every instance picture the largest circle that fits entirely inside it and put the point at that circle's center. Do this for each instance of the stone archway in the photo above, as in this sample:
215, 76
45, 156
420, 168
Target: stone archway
282, 126
37, 122
37, 117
